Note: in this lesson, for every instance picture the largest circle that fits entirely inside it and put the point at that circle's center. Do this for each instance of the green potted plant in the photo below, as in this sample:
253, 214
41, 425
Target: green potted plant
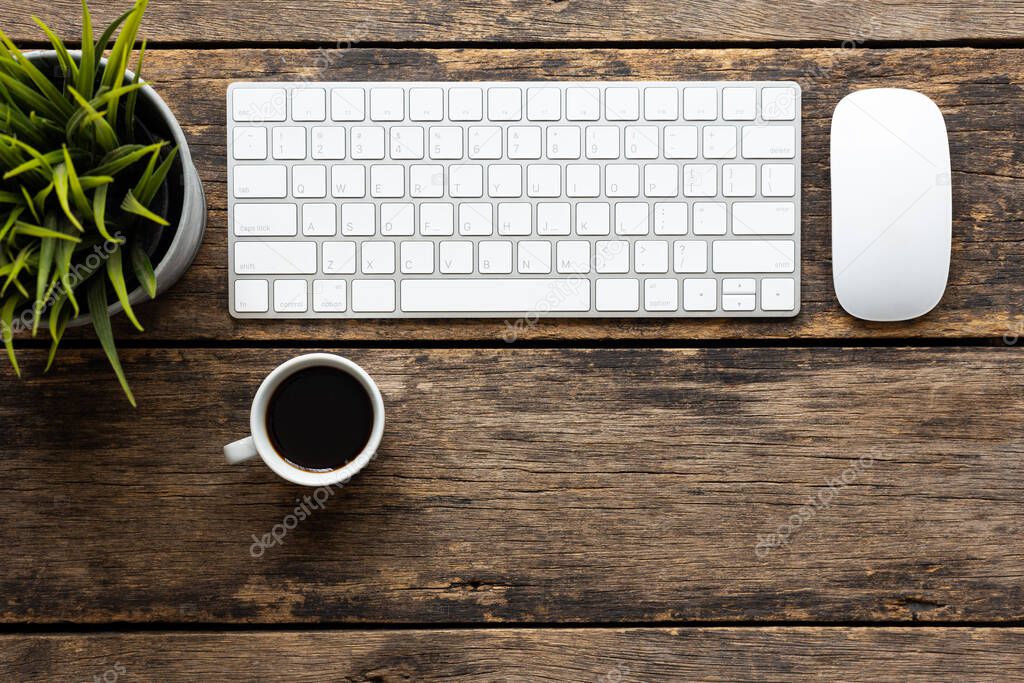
100, 204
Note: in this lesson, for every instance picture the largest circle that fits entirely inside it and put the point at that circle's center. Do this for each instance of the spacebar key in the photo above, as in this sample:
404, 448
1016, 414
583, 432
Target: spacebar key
495, 296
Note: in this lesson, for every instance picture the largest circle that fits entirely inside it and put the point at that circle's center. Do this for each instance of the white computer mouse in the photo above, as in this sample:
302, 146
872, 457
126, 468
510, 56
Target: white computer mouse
892, 205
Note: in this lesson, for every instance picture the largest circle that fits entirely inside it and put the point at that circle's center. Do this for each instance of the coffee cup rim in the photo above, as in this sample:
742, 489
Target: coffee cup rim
258, 421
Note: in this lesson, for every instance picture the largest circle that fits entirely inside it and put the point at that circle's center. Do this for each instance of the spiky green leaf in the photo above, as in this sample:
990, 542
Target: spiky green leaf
97, 298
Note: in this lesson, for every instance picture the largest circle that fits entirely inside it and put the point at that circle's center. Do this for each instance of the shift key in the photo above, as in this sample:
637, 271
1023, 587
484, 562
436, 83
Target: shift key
753, 256
275, 258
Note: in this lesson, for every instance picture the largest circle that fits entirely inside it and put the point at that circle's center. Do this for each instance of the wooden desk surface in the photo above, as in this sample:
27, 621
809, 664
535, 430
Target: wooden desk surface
602, 501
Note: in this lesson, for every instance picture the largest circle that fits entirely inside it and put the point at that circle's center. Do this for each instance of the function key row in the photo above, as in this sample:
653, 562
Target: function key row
509, 103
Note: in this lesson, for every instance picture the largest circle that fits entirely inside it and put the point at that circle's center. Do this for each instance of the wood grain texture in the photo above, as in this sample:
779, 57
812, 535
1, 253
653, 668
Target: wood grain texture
520, 655
222, 22
530, 486
978, 90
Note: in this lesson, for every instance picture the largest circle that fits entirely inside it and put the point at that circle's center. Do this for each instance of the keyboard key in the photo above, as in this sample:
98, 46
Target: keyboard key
387, 104
753, 256
329, 296
505, 180
339, 258
524, 142
593, 218
445, 142
309, 104
456, 257
573, 257
611, 256
426, 180
378, 258
680, 142
543, 180
373, 296
258, 104
553, 218
348, 104
719, 142
661, 180
358, 220
739, 180
466, 180
563, 142
690, 256
700, 294
738, 302
622, 104
632, 218
249, 142
582, 104
275, 258
743, 285
523, 295
348, 181
465, 104
661, 104
622, 180
406, 142
582, 180
494, 257
387, 180
700, 180
778, 294
763, 218
476, 219
514, 218
661, 294
642, 142
709, 218
533, 257
290, 296
769, 142
485, 142
543, 104
603, 142
700, 104
670, 218
504, 104
397, 220
252, 296
319, 220
437, 219
778, 104
289, 142
251, 182
367, 142
650, 256
426, 104
778, 180
617, 294
739, 104
417, 258
328, 142
265, 220
309, 181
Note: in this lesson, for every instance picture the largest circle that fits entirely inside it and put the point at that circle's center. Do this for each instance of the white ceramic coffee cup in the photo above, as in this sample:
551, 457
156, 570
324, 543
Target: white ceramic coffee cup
259, 442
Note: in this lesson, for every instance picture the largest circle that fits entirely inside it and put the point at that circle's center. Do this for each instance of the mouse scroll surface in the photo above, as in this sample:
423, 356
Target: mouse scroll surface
891, 204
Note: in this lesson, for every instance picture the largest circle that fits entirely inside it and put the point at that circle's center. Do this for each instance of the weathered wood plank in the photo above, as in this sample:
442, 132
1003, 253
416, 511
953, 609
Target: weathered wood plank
602, 655
978, 90
222, 22
529, 485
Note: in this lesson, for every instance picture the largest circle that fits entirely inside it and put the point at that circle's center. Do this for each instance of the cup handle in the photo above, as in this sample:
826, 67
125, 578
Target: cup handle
240, 450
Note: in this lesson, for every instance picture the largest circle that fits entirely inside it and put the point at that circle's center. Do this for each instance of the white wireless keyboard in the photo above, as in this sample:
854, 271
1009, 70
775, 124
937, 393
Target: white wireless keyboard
571, 199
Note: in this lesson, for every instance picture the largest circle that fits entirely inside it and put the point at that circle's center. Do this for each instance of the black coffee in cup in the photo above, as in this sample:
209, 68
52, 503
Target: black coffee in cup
320, 418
